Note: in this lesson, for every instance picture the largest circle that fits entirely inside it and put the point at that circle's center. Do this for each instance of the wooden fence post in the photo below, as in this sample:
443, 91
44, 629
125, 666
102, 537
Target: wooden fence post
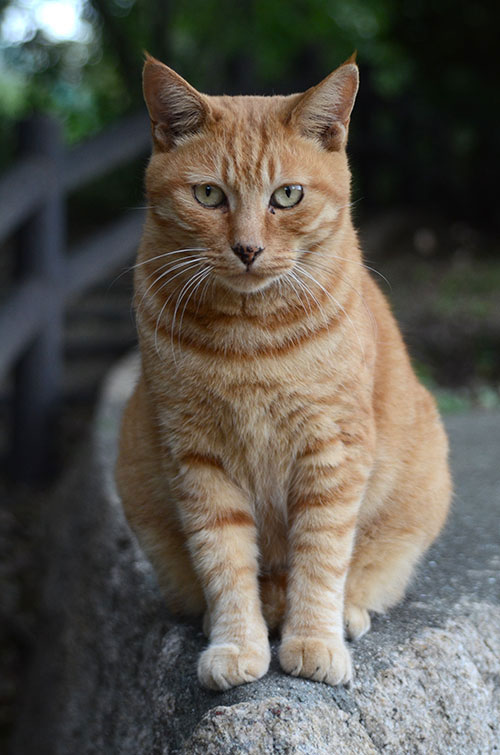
40, 254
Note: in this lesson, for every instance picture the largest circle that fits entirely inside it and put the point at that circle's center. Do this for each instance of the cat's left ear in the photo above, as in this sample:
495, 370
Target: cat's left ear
324, 111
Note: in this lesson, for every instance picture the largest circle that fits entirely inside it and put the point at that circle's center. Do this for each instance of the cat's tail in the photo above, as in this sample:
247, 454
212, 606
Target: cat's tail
273, 598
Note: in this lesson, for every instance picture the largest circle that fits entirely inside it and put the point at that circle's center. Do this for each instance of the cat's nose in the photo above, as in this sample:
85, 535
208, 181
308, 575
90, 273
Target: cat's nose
247, 254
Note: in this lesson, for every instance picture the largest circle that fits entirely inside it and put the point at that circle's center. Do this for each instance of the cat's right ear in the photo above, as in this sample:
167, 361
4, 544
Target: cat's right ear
176, 109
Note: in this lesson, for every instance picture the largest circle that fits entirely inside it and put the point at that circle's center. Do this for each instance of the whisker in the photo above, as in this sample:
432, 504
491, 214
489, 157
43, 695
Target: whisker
373, 322
205, 274
303, 288
183, 291
311, 294
354, 201
347, 259
209, 280
164, 306
177, 275
287, 278
168, 254
171, 269
338, 304
158, 257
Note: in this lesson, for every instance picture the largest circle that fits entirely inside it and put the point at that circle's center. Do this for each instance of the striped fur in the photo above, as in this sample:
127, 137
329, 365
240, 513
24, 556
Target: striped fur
279, 462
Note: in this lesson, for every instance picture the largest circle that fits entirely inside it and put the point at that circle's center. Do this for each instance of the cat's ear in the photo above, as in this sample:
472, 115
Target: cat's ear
324, 111
176, 109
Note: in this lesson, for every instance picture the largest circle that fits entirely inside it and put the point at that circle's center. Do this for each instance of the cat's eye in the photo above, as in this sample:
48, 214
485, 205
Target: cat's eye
209, 195
287, 196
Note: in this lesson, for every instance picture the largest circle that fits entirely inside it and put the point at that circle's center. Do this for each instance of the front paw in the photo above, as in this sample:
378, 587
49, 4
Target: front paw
356, 621
318, 659
225, 665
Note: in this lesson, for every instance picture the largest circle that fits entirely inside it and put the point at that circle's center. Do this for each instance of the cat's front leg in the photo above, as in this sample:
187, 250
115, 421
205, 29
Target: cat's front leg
326, 492
221, 537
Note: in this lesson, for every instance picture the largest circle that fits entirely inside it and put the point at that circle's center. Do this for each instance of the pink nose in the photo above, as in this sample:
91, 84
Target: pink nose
247, 254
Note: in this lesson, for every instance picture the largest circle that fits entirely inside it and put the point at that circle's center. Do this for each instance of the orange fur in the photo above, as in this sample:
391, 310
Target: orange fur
279, 462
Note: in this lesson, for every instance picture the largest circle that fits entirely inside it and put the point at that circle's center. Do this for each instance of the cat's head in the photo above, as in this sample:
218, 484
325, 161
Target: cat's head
253, 183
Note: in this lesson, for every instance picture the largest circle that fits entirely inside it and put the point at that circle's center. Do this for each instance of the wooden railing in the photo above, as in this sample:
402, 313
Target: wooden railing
48, 275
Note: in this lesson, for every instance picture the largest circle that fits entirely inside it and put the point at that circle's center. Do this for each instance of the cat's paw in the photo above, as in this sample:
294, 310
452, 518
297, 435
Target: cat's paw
318, 659
222, 666
356, 621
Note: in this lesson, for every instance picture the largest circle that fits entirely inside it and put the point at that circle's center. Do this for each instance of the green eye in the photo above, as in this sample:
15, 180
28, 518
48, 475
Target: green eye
209, 195
287, 196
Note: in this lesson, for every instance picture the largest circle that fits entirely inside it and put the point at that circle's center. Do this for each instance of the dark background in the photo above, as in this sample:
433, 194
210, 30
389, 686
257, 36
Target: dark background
424, 132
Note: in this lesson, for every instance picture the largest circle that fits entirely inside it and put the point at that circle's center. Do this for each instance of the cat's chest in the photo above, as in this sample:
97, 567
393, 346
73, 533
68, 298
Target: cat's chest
259, 447
255, 420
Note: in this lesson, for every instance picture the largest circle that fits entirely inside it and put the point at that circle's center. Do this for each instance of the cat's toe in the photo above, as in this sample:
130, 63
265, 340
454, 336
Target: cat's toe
227, 665
321, 660
356, 620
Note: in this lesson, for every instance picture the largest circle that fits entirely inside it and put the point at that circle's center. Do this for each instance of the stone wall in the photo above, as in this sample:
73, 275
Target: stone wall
115, 674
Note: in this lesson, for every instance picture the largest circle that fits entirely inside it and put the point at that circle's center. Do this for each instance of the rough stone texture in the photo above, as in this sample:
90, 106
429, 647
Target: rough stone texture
115, 673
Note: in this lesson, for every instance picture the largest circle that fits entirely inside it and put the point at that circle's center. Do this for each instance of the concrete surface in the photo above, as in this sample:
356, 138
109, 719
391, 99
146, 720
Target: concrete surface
116, 674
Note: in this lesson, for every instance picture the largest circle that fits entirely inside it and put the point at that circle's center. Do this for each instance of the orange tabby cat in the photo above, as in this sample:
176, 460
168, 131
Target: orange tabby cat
279, 462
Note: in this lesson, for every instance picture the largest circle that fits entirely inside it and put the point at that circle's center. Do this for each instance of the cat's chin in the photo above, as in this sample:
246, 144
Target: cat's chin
248, 283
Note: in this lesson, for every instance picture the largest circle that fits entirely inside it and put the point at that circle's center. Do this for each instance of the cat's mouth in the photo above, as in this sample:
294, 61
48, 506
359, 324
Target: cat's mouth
250, 280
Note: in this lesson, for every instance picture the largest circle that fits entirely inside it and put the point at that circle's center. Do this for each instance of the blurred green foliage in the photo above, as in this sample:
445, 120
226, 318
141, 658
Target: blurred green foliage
425, 130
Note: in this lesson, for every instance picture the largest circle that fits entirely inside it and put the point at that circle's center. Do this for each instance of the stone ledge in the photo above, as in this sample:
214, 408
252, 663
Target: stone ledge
114, 673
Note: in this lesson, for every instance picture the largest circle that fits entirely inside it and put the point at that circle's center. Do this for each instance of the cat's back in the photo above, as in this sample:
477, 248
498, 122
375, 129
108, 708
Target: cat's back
411, 444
